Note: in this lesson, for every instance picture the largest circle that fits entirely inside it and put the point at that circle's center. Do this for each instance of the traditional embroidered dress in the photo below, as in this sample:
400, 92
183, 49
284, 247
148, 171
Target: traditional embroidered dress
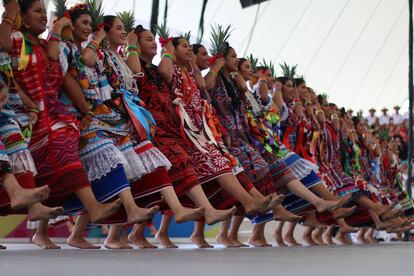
54, 141
139, 123
234, 119
203, 148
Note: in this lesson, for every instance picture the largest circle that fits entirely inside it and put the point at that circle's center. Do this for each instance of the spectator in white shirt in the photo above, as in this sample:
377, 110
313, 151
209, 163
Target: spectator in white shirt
384, 119
397, 117
371, 118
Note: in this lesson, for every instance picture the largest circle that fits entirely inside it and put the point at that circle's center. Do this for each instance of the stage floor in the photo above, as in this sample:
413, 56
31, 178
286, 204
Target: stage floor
380, 259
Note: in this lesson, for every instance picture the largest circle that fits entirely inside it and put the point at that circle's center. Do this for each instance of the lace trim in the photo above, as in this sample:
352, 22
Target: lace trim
22, 161
302, 168
100, 163
135, 168
153, 158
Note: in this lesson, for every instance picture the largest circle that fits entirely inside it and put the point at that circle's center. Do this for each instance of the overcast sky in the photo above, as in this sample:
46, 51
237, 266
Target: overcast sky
356, 51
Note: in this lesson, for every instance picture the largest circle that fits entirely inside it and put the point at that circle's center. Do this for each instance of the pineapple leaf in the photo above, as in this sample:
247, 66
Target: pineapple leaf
219, 38
162, 30
186, 35
270, 66
60, 8
288, 71
253, 61
128, 19
96, 11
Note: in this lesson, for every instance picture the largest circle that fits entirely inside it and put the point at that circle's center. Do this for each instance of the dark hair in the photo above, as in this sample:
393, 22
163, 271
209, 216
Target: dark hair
284, 80
299, 81
196, 47
356, 120
241, 61
75, 14
227, 49
25, 5
108, 21
139, 29
234, 93
261, 68
176, 40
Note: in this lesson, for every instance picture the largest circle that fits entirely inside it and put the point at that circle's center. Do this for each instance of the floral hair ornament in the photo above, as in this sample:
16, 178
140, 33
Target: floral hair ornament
218, 41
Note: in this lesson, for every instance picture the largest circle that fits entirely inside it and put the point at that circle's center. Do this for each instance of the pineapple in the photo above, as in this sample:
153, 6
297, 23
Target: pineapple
162, 31
253, 61
128, 19
288, 71
219, 38
60, 9
96, 11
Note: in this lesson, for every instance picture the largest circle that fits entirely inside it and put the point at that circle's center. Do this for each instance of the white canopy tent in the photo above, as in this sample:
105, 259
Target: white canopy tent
355, 51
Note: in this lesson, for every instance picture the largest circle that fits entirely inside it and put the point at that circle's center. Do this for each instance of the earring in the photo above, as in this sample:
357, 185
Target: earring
25, 25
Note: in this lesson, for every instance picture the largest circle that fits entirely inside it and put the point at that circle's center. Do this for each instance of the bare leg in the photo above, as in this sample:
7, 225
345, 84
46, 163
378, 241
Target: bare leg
181, 213
137, 237
342, 238
317, 236
361, 236
251, 205
234, 231
297, 188
76, 238
328, 235
41, 237
370, 236
198, 235
211, 214
96, 211
136, 214
222, 236
289, 236
278, 235
19, 197
307, 236
257, 239
162, 235
113, 241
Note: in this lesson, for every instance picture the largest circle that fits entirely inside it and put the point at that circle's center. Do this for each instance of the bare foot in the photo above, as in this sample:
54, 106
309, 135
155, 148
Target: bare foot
259, 242
281, 214
140, 215
44, 242
216, 216
27, 197
326, 205
361, 238
2, 247
383, 225
274, 201
200, 241
224, 240
290, 240
327, 237
141, 242
343, 212
279, 239
116, 245
257, 205
340, 237
317, 237
307, 237
165, 241
236, 242
389, 215
370, 239
104, 211
40, 212
81, 243
187, 214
